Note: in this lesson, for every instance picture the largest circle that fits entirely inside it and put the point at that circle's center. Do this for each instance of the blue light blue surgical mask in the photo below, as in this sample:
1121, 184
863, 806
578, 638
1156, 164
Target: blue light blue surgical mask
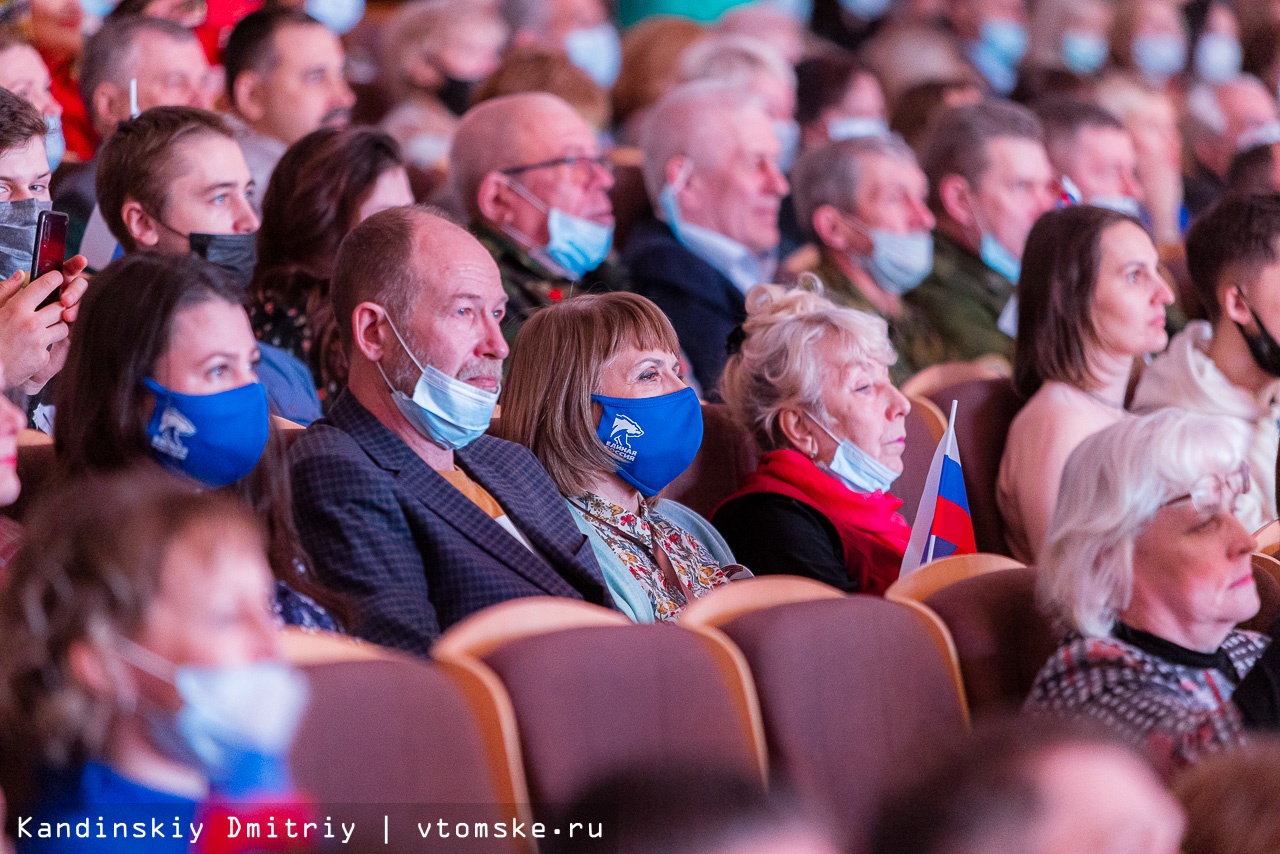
995, 256
236, 723
787, 132
653, 439
900, 262
55, 144
857, 469
443, 410
216, 439
1160, 55
855, 127
341, 16
866, 10
575, 243
1004, 38
1083, 53
598, 51
1218, 58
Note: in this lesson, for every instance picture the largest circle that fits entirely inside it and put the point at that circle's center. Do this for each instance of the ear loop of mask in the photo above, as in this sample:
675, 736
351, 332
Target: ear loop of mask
403, 346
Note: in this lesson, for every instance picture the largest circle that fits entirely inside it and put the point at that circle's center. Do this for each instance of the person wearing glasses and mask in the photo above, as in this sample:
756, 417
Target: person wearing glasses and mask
1149, 569
864, 204
529, 172
175, 180
401, 500
1229, 364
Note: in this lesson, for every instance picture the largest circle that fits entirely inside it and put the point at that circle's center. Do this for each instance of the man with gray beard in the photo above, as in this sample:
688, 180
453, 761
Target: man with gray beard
400, 499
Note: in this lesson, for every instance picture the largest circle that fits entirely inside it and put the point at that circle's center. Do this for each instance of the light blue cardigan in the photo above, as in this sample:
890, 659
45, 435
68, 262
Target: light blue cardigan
628, 595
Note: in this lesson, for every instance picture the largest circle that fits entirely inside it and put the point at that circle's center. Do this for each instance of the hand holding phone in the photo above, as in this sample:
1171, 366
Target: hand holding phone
50, 250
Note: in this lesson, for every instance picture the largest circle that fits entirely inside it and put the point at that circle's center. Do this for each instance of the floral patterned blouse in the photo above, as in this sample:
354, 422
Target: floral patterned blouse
636, 537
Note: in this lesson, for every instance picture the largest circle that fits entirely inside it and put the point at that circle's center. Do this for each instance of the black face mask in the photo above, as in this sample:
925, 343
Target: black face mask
237, 254
18, 234
455, 94
1263, 348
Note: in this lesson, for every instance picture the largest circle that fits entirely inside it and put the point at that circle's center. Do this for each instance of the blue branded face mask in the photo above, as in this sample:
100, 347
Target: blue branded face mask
653, 439
216, 438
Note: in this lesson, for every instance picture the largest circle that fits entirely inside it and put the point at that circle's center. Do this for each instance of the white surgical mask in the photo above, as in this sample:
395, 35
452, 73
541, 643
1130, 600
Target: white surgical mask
899, 262
598, 51
855, 127
857, 469
443, 410
1218, 58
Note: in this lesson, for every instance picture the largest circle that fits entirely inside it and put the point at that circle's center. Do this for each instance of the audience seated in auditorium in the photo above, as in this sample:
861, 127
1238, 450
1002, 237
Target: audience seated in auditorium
529, 172
581, 28
1150, 571
400, 498
174, 180
770, 23
539, 69
33, 340
170, 68
1218, 118
595, 392
434, 54
651, 53
1035, 787
1093, 153
811, 383
863, 202
1218, 55
326, 184
142, 672
989, 180
56, 31
285, 77
162, 367
711, 172
1229, 364
1092, 300
1254, 171
837, 97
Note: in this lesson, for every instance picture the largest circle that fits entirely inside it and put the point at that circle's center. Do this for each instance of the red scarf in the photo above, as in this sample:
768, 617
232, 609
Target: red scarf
873, 533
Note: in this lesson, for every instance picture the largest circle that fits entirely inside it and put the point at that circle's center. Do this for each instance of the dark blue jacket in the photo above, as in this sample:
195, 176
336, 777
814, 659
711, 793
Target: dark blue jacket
702, 304
413, 552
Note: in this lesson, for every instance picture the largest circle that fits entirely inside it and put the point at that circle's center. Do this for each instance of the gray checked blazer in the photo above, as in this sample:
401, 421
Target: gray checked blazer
414, 553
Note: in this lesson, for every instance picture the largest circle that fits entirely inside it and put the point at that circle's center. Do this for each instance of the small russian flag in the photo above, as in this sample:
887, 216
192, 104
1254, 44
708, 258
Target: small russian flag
943, 526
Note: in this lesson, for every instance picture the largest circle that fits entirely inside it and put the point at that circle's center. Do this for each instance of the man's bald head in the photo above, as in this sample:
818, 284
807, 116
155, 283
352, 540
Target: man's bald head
515, 130
397, 258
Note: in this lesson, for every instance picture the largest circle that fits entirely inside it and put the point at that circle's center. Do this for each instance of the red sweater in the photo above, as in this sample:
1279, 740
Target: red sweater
874, 535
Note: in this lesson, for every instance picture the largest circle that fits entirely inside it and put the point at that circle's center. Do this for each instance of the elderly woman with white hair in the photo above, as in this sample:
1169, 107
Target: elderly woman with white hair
1150, 570
811, 381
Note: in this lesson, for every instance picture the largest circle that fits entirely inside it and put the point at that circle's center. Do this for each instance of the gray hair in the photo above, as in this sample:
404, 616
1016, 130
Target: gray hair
830, 175
734, 58
109, 54
778, 367
1112, 486
690, 121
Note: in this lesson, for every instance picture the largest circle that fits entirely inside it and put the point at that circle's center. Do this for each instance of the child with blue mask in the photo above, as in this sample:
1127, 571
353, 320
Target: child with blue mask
168, 646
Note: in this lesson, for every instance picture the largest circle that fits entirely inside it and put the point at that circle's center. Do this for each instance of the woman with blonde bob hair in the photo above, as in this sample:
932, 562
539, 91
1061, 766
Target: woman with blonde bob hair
595, 392
1149, 569
810, 381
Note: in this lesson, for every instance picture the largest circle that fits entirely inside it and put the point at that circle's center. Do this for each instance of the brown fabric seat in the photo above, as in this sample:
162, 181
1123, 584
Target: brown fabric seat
599, 700
1000, 636
728, 454
985, 410
395, 737
916, 459
850, 690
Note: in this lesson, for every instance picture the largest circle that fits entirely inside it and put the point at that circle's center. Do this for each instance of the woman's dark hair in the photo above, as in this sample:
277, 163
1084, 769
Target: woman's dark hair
1059, 279
122, 331
308, 207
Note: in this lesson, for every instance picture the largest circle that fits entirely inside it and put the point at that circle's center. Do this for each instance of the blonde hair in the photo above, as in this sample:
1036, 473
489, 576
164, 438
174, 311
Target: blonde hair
778, 366
1112, 485
557, 363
